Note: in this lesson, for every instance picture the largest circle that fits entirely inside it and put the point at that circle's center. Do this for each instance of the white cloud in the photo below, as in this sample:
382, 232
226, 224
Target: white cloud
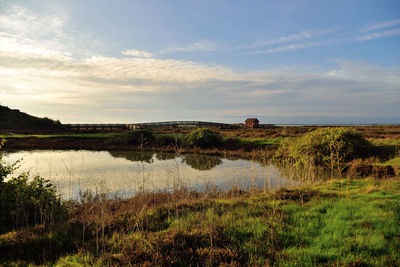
19, 20
38, 74
382, 25
160, 70
17, 46
363, 71
295, 46
184, 87
378, 35
137, 53
289, 38
201, 46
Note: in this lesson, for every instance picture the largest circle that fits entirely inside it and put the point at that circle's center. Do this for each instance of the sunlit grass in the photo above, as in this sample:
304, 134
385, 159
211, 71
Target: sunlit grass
262, 141
358, 228
378, 142
392, 162
341, 222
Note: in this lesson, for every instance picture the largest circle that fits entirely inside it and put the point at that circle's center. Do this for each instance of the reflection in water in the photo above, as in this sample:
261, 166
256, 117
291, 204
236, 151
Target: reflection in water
124, 173
133, 155
165, 156
202, 162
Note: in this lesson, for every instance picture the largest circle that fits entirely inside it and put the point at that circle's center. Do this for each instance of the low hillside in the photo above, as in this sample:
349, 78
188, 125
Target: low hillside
17, 121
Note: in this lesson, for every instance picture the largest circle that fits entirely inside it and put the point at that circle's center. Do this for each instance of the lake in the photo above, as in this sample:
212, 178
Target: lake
124, 173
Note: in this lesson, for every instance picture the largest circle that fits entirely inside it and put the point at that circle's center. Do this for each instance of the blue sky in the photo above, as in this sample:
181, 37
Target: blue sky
214, 60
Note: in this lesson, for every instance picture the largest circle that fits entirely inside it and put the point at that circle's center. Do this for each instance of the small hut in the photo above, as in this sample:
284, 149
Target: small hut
252, 122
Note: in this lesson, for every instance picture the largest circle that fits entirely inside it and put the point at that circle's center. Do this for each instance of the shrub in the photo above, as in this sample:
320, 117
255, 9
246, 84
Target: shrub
204, 138
328, 147
136, 137
231, 143
26, 202
168, 140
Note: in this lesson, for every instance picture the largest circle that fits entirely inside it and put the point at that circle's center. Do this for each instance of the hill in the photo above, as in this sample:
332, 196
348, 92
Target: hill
17, 121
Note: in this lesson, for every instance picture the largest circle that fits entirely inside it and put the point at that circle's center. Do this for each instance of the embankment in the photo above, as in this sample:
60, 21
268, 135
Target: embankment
79, 143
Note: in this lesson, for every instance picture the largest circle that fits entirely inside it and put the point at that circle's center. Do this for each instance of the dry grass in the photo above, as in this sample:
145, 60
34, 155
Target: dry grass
342, 222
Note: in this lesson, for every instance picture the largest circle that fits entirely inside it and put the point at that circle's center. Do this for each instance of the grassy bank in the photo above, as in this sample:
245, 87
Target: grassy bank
251, 138
342, 222
43, 136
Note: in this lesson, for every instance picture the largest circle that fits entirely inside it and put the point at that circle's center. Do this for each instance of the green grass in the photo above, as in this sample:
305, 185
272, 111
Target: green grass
259, 141
385, 142
392, 162
342, 222
357, 228
179, 135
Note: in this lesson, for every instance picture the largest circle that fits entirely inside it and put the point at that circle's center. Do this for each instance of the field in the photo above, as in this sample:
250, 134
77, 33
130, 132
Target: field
381, 135
342, 222
352, 219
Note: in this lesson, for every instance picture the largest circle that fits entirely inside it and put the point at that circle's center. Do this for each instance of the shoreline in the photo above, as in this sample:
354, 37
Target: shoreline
79, 143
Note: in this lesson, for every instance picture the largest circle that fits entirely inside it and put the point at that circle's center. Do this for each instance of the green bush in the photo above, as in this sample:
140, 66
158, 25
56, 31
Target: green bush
204, 138
27, 201
136, 137
328, 147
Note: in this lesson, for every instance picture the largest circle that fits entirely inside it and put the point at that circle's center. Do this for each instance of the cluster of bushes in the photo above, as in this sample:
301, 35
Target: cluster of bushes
27, 201
170, 140
202, 138
137, 137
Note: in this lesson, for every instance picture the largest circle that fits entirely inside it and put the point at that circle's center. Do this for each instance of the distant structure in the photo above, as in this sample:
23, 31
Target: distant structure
252, 122
134, 126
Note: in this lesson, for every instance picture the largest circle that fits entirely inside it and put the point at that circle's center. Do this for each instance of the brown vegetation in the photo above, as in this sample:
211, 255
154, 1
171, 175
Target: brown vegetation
373, 131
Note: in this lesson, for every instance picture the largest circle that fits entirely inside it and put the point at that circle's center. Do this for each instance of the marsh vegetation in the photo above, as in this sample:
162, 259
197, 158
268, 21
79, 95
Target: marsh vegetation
330, 214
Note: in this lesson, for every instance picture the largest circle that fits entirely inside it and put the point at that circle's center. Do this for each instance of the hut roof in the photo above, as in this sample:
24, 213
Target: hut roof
251, 120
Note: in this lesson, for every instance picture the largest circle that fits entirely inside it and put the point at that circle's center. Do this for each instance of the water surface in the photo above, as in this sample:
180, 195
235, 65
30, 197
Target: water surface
124, 173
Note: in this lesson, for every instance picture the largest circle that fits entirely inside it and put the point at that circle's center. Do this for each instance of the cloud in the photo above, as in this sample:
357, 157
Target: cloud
202, 46
17, 46
43, 76
362, 71
160, 70
137, 53
23, 22
289, 38
26, 34
382, 25
159, 89
295, 46
378, 35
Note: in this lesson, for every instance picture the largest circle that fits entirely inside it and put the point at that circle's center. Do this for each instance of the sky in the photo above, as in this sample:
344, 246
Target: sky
100, 61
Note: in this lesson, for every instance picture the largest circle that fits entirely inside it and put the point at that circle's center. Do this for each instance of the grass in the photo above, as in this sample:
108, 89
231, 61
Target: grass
392, 162
359, 228
342, 222
81, 135
385, 142
260, 141
177, 135
390, 145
